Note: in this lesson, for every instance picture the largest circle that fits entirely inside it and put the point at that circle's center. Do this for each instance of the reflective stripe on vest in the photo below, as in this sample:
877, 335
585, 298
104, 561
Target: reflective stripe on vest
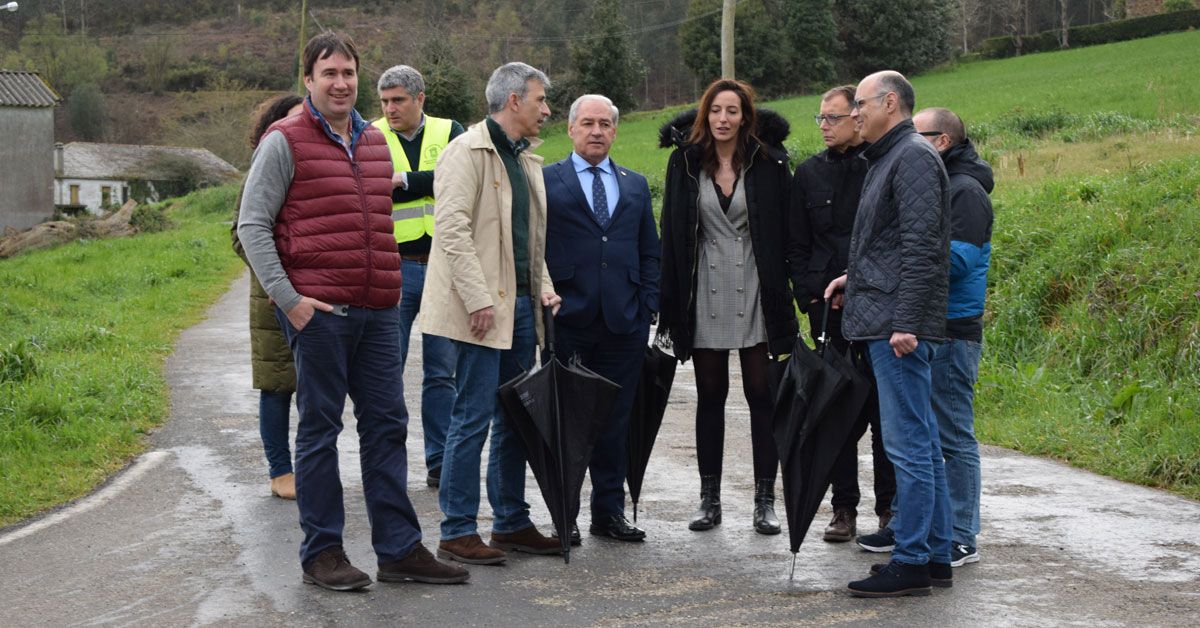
414, 218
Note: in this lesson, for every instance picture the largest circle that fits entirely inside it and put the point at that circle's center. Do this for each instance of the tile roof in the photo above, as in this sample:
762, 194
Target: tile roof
86, 160
25, 89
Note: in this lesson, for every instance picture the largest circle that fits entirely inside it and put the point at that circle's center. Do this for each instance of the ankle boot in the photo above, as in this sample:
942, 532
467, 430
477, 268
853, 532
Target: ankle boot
708, 515
765, 521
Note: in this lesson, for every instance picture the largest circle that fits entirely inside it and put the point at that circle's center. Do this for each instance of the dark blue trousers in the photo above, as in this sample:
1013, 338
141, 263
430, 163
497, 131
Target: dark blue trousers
353, 355
617, 357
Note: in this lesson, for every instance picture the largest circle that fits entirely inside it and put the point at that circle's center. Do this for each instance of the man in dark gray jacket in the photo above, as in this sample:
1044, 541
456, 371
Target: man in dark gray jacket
895, 302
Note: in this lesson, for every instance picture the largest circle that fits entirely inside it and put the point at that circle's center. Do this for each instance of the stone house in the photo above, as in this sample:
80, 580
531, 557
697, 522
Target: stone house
26, 166
96, 176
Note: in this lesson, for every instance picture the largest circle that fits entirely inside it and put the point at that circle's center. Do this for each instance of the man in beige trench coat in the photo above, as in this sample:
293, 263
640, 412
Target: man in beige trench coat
485, 289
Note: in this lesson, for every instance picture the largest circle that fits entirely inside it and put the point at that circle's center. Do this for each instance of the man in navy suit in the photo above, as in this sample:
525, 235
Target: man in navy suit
602, 250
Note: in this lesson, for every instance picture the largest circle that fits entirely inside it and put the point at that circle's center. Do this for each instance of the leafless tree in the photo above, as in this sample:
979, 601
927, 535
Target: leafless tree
1064, 16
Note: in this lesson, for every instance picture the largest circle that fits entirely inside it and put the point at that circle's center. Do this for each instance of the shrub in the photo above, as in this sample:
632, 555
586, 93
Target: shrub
149, 219
1170, 6
1094, 34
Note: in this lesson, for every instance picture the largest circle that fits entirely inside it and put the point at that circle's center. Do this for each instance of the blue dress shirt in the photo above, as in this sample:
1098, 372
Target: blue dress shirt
608, 177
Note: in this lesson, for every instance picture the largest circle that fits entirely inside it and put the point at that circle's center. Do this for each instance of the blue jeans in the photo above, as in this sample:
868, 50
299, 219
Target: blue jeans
274, 408
955, 368
617, 357
480, 371
910, 435
437, 361
339, 355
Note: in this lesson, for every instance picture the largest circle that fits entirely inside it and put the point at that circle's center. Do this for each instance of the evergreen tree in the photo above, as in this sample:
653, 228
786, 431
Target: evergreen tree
775, 60
814, 41
903, 35
85, 112
606, 61
449, 92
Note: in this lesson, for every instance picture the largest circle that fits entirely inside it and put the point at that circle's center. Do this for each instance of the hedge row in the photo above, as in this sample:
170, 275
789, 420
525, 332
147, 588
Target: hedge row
1093, 34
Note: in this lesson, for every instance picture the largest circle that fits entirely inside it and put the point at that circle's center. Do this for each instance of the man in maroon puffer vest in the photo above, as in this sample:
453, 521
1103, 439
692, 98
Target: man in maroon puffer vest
316, 224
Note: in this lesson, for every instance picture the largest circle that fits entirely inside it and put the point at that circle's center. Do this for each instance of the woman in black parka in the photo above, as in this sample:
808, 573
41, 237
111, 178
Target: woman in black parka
725, 274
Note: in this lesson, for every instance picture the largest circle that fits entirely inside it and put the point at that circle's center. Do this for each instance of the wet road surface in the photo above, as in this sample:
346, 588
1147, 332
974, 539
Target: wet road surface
190, 535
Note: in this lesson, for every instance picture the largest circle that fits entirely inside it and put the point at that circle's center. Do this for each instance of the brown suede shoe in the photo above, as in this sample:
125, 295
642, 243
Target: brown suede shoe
421, 566
471, 550
284, 486
528, 540
332, 570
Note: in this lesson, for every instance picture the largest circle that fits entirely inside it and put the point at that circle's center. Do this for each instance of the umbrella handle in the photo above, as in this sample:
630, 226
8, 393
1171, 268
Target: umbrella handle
548, 318
824, 337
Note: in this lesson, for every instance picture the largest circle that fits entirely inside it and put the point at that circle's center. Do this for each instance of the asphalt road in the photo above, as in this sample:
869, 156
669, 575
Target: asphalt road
189, 534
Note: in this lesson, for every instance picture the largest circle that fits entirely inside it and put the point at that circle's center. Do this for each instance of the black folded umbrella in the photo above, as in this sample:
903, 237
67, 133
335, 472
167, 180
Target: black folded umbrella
557, 411
818, 401
650, 402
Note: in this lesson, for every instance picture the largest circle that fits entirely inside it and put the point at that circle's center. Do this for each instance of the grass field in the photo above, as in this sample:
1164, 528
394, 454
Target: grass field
86, 329
1093, 330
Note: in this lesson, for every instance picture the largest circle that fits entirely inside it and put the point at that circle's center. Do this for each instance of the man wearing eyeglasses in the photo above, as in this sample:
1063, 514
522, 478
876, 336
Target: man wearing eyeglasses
825, 194
955, 364
895, 301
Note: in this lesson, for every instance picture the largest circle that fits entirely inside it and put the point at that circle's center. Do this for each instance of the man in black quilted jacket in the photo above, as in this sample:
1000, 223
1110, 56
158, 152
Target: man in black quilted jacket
895, 301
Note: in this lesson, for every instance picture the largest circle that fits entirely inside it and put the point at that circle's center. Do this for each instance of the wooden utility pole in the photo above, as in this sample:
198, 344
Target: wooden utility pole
727, 13
300, 50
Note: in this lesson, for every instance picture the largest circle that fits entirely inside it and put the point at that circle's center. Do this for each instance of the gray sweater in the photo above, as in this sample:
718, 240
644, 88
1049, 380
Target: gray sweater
267, 183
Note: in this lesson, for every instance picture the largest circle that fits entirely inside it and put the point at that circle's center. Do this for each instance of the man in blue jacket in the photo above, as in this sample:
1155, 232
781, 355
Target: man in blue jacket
955, 364
602, 251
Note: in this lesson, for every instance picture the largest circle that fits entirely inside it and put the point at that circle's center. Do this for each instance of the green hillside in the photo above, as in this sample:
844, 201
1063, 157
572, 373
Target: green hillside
1147, 79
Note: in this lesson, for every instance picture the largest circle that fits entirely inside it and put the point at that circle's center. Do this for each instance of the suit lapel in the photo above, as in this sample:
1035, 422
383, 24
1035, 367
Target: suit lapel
624, 190
566, 174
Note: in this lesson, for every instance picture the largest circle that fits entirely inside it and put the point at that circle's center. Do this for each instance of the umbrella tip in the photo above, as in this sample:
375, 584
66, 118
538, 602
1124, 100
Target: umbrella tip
792, 575
635, 512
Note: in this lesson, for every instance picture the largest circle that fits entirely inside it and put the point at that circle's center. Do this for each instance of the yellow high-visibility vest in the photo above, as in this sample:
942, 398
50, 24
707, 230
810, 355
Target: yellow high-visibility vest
413, 219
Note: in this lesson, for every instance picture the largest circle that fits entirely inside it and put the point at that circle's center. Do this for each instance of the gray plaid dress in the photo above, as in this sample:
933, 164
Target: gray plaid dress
728, 311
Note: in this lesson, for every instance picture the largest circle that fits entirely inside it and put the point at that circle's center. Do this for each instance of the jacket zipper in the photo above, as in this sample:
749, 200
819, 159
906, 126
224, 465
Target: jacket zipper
362, 198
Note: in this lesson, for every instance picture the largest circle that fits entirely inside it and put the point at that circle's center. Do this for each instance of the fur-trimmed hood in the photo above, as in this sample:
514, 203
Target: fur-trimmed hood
771, 128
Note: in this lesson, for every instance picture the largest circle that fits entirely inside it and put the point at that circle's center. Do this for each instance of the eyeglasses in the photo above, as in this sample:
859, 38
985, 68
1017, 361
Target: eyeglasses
830, 118
858, 104
930, 133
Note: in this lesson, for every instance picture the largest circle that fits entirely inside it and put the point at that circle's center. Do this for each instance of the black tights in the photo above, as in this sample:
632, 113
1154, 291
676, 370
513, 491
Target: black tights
712, 387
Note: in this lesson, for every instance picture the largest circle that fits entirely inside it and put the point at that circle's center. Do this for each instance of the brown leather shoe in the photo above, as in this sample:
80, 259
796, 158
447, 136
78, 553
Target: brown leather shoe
843, 527
332, 570
528, 540
421, 566
471, 550
284, 486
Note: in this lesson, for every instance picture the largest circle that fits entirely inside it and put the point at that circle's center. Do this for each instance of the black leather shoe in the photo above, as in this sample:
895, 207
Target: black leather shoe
765, 521
708, 514
576, 538
617, 527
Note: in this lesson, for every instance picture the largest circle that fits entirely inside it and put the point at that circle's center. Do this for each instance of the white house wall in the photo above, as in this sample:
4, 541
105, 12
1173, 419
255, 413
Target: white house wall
90, 192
